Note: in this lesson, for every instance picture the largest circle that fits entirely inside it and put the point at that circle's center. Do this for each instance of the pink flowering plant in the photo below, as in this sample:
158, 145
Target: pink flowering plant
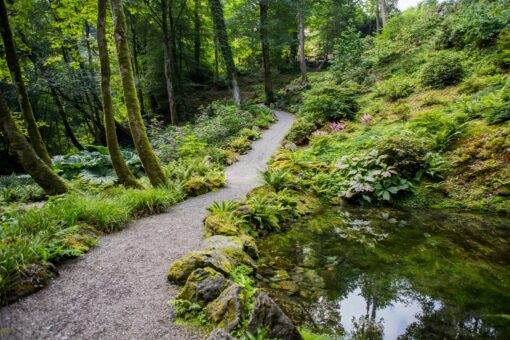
337, 126
365, 118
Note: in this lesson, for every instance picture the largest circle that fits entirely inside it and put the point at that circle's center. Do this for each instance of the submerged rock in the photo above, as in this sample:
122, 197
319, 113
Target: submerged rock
222, 260
267, 314
227, 310
203, 286
220, 334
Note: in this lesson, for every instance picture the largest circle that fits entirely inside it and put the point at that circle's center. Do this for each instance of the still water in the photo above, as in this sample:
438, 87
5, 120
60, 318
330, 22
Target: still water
390, 274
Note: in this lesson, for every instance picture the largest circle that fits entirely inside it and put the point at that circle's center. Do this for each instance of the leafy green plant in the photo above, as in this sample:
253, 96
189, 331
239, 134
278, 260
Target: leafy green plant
21, 188
443, 69
223, 207
367, 177
191, 147
189, 310
396, 87
301, 131
276, 179
330, 102
240, 144
251, 134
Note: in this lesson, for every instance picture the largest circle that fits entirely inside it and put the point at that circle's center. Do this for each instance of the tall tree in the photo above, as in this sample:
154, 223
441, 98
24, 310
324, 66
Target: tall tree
159, 11
143, 147
384, 12
264, 38
220, 31
301, 33
121, 169
19, 84
197, 38
31, 162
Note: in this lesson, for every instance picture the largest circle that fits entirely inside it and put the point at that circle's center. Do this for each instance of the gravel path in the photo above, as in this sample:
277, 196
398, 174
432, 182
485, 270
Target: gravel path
119, 289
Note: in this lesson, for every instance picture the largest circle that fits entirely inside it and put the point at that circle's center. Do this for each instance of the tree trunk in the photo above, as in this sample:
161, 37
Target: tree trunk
216, 62
136, 68
264, 38
63, 115
19, 84
142, 144
167, 63
121, 169
197, 39
384, 12
31, 162
301, 30
220, 30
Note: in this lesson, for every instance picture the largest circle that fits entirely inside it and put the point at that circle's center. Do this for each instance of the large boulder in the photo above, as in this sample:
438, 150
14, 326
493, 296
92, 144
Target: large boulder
222, 260
220, 225
242, 242
220, 334
228, 309
267, 314
203, 286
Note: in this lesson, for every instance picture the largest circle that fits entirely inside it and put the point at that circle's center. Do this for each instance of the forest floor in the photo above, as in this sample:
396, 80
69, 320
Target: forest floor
119, 289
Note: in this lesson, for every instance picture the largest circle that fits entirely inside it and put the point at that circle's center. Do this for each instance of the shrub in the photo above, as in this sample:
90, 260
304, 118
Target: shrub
240, 144
251, 134
330, 102
221, 156
442, 128
19, 189
394, 88
301, 130
200, 185
406, 154
191, 147
276, 179
442, 69
368, 177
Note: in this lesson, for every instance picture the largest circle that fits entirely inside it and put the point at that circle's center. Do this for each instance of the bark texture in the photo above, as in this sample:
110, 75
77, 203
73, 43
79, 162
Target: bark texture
167, 63
264, 38
143, 147
121, 169
31, 162
220, 31
17, 79
301, 33
384, 12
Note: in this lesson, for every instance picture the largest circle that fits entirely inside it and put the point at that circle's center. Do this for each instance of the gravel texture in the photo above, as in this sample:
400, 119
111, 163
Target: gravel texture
119, 289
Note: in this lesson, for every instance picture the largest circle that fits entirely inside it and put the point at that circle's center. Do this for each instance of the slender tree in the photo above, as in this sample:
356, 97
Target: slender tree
384, 12
143, 147
17, 79
63, 116
220, 31
197, 38
31, 162
301, 33
264, 38
121, 169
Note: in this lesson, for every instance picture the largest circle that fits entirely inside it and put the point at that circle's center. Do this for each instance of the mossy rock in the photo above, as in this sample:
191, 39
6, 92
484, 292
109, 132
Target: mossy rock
200, 185
203, 286
244, 242
267, 314
220, 225
227, 310
221, 260
36, 277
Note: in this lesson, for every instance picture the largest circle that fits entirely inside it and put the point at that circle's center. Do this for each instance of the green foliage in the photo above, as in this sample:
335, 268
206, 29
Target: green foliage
276, 179
251, 134
240, 144
441, 127
301, 130
405, 153
330, 102
191, 147
368, 177
189, 310
200, 185
348, 52
19, 189
94, 165
396, 87
223, 207
442, 69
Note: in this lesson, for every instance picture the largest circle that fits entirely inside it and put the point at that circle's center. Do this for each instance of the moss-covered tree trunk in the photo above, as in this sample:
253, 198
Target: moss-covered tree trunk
143, 147
121, 169
220, 31
301, 33
17, 79
31, 162
264, 38
63, 115
197, 39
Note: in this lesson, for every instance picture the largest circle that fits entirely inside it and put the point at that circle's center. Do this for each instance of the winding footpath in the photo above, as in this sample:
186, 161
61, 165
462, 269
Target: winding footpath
119, 289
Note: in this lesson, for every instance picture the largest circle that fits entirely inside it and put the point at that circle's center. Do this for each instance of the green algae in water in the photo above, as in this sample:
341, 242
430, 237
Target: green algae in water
384, 273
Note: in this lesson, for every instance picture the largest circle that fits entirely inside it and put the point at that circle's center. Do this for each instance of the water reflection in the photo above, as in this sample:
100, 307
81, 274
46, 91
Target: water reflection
389, 274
